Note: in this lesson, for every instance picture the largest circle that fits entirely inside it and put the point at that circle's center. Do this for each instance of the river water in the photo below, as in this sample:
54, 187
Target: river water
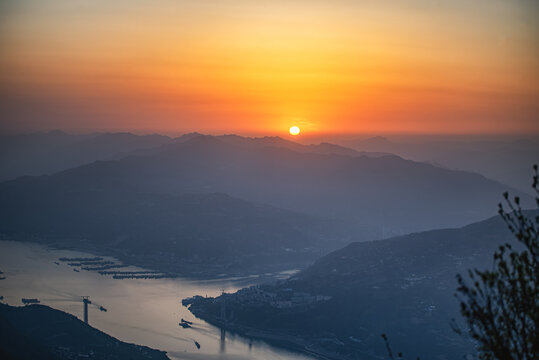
141, 311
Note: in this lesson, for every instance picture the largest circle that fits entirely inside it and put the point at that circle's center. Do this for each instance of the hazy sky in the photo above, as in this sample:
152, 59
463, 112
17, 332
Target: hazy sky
455, 66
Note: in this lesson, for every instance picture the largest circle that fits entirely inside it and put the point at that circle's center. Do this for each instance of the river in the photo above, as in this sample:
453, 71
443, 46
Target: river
141, 311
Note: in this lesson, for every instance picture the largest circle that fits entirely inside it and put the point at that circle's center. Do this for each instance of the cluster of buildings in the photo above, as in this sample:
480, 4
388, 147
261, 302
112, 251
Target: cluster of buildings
283, 298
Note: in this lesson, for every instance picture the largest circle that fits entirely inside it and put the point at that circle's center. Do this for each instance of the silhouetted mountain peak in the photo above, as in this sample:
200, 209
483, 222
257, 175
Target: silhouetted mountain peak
56, 132
258, 141
328, 148
376, 140
191, 134
202, 140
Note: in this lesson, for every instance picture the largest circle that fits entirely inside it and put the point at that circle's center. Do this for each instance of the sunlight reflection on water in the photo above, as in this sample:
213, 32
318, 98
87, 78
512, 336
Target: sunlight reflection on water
145, 312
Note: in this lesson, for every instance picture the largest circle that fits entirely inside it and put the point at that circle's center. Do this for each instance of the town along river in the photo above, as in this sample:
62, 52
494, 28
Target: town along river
141, 311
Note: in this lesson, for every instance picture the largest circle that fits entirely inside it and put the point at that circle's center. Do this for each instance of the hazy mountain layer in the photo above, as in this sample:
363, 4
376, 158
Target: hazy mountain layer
506, 160
143, 209
188, 234
372, 197
46, 153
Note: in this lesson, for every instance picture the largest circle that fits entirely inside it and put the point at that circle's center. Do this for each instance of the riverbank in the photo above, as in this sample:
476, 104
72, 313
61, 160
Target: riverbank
144, 312
168, 265
280, 339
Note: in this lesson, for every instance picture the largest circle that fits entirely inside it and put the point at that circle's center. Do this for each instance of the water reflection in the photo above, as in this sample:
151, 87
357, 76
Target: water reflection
222, 348
145, 312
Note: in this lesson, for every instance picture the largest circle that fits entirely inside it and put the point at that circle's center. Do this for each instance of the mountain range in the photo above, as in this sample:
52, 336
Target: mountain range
381, 195
507, 160
230, 199
50, 152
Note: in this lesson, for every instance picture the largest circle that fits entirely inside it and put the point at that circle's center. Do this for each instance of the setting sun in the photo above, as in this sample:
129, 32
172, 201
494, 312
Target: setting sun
294, 130
156, 133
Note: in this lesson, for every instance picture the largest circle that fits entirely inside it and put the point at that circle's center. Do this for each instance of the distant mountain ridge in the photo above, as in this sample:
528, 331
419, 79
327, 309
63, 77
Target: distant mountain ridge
276, 141
508, 160
371, 196
50, 152
384, 194
316, 201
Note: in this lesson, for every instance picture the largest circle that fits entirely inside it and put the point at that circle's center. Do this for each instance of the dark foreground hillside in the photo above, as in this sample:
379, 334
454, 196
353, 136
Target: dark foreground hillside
338, 307
40, 332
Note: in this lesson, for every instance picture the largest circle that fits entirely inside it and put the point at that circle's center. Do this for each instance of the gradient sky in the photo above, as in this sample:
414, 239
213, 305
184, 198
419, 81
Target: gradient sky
254, 67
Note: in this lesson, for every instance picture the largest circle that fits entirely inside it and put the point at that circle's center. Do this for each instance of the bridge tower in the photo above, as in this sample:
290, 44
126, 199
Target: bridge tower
86, 301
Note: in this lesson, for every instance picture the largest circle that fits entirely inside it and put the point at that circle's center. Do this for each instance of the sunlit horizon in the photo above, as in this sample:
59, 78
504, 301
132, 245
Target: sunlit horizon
269, 179
256, 68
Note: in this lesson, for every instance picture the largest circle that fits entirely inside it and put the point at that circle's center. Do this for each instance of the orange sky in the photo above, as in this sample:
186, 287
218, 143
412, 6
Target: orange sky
257, 67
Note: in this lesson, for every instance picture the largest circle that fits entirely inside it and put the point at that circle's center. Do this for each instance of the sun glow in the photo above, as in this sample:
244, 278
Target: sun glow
294, 130
255, 67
